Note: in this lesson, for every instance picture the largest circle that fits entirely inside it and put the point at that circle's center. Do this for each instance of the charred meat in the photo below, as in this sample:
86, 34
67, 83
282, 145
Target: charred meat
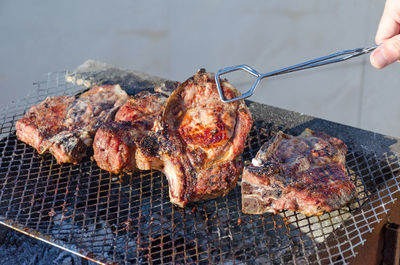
191, 136
305, 173
115, 143
114, 146
199, 140
65, 126
43, 121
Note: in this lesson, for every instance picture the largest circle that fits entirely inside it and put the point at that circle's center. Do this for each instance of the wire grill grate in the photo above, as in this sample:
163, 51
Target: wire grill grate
129, 219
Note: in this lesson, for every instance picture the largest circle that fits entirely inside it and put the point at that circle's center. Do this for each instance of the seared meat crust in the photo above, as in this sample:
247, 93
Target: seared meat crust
65, 126
43, 121
200, 139
115, 143
144, 106
305, 173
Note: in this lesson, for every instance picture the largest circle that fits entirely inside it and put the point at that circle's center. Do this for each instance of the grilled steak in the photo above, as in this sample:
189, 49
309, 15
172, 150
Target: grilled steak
43, 121
304, 173
144, 107
114, 146
72, 122
199, 140
115, 143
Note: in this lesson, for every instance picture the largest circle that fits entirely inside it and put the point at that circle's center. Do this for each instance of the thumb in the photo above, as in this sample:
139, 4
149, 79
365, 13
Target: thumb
387, 53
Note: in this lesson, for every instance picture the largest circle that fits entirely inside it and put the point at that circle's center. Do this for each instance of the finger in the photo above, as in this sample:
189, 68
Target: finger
389, 24
387, 53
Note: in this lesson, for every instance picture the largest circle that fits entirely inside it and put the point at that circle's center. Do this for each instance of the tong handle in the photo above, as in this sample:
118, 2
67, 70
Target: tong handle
329, 59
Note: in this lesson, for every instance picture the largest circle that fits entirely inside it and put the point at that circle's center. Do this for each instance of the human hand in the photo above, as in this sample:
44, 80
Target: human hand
389, 35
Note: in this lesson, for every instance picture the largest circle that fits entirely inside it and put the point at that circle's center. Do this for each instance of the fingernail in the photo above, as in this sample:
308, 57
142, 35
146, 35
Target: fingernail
378, 59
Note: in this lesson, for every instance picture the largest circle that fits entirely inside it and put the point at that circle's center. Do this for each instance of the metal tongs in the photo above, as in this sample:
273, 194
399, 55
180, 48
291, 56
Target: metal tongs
332, 58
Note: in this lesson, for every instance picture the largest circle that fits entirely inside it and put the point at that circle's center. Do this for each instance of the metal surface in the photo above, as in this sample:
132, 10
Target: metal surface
128, 219
329, 59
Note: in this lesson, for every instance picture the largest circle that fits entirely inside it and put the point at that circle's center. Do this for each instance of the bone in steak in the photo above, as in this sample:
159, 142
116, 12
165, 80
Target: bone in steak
305, 173
65, 126
199, 140
115, 143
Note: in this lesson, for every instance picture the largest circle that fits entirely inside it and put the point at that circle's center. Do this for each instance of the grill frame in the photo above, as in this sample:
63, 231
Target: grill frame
108, 219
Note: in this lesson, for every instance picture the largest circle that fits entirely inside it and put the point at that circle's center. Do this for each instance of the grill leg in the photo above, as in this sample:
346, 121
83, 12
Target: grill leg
391, 247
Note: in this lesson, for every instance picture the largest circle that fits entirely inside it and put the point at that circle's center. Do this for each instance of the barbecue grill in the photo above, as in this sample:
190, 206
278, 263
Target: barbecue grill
123, 219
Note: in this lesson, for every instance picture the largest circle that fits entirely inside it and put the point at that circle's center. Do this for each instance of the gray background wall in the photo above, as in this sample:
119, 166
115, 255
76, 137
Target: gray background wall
173, 39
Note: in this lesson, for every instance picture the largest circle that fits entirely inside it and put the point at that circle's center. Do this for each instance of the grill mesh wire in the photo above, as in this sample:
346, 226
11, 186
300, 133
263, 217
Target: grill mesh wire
129, 219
